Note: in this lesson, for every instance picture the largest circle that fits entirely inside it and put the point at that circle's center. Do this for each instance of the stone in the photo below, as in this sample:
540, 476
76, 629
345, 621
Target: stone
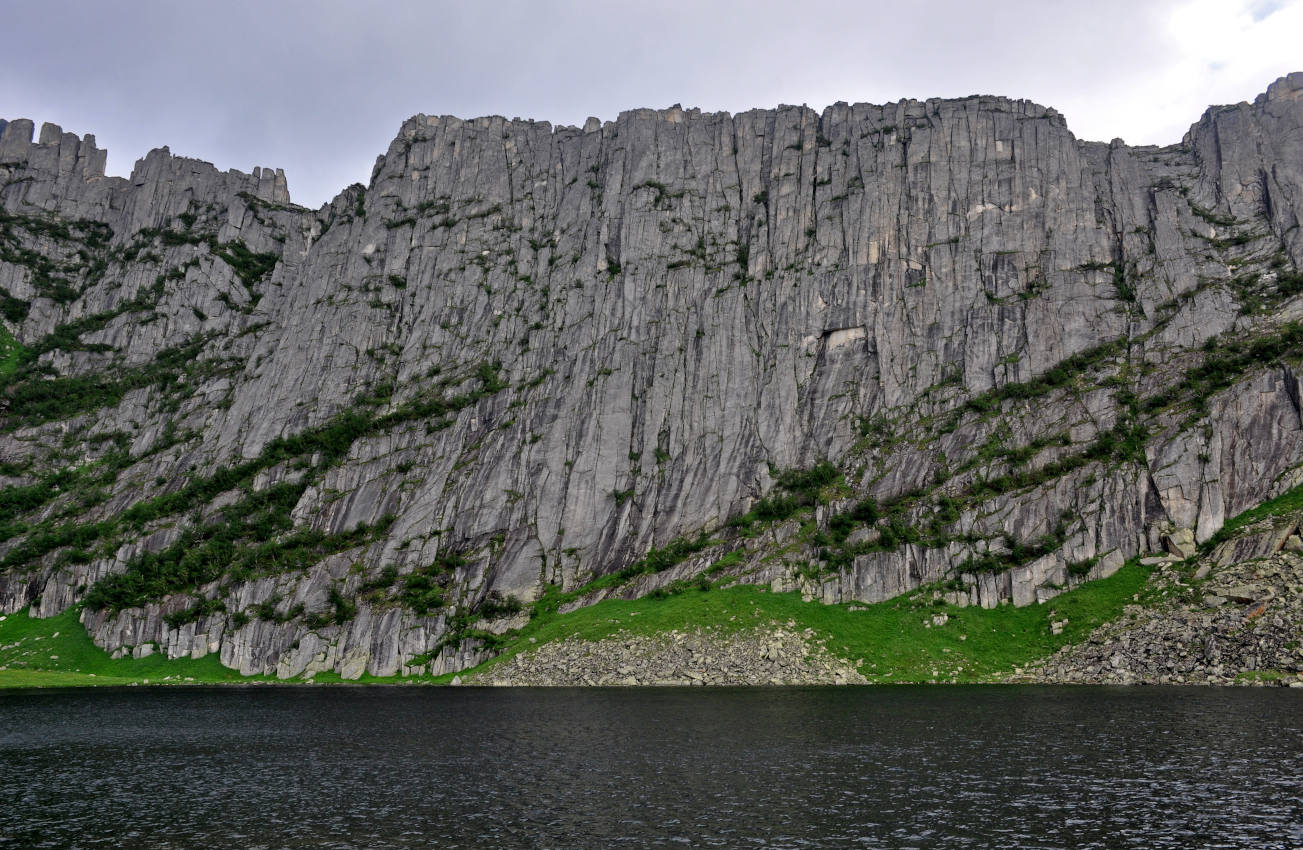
734, 659
1243, 594
1180, 543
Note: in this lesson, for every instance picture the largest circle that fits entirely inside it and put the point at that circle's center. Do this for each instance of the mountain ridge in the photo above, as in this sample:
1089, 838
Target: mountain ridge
855, 352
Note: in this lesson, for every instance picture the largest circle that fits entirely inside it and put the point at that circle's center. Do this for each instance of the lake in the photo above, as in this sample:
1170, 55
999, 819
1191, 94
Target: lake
890, 767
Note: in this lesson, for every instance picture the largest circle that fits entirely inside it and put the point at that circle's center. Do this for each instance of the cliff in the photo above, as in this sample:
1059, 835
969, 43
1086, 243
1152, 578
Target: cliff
852, 353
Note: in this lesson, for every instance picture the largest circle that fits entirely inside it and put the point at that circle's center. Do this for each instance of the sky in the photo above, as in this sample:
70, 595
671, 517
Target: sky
320, 87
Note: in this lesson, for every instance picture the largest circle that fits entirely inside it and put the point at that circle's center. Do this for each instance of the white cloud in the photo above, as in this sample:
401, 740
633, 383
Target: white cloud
1215, 52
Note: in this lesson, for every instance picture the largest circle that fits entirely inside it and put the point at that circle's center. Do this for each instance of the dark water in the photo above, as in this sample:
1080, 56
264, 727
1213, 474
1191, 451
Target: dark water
853, 767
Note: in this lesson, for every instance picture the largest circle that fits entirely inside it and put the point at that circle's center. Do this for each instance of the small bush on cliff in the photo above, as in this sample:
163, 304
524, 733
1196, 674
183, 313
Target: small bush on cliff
795, 489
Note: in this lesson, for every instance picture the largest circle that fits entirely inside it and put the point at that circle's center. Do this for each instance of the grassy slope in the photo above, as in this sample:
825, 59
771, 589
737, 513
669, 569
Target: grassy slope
891, 637
11, 351
58, 651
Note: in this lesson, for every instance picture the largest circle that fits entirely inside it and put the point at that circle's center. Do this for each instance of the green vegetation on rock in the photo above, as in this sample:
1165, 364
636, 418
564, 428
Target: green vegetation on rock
255, 535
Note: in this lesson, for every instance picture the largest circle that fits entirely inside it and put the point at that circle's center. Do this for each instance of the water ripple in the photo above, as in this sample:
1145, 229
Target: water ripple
751, 768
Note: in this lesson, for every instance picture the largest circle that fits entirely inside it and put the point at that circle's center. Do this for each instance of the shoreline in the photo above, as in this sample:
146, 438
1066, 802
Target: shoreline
6, 687
1168, 622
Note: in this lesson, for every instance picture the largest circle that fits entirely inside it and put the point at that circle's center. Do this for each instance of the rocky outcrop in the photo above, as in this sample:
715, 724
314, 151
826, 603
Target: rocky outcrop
1237, 624
525, 356
771, 655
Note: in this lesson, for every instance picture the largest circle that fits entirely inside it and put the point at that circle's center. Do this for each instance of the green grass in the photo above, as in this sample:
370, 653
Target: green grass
11, 353
57, 652
975, 645
57, 679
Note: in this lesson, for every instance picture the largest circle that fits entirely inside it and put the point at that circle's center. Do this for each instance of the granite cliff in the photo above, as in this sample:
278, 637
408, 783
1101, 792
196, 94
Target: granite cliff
852, 353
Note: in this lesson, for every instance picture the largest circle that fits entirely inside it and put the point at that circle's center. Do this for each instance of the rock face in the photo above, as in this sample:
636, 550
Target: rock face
892, 345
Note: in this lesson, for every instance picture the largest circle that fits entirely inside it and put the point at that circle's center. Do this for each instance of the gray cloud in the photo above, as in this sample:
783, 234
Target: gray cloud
320, 88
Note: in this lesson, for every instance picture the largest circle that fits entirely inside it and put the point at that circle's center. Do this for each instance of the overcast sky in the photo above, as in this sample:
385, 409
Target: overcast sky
320, 88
